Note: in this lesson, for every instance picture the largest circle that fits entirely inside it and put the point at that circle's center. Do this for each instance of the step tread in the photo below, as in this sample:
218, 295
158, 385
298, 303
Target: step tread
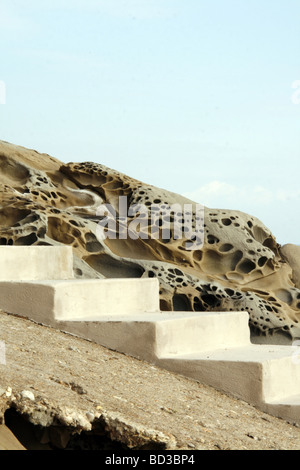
57, 282
292, 400
157, 317
138, 317
58, 299
252, 354
46, 262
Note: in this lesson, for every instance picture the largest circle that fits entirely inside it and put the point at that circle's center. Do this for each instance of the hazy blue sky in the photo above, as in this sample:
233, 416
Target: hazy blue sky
195, 96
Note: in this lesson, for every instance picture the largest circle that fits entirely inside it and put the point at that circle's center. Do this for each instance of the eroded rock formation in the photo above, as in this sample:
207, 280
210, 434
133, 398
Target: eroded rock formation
239, 267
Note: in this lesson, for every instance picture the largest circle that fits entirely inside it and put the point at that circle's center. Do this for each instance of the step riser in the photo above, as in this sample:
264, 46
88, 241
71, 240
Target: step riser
246, 381
281, 378
202, 333
156, 336
37, 304
106, 297
139, 339
136, 339
290, 413
69, 300
35, 263
239, 379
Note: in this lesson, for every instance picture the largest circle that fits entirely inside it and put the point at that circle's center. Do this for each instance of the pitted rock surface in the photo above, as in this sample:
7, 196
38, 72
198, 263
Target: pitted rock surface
239, 267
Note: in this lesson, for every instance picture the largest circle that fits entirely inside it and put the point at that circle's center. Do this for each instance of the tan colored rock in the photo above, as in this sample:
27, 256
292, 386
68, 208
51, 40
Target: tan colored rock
239, 267
291, 253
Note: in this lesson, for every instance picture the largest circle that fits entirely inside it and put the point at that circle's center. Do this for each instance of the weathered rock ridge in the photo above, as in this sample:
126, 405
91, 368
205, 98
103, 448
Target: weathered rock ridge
239, 267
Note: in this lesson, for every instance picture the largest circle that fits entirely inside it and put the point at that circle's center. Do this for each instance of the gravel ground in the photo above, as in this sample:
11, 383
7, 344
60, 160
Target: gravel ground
58, 380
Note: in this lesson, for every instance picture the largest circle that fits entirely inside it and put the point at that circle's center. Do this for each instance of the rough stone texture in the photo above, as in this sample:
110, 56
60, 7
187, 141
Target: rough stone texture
81, 389
291, 253
240, 267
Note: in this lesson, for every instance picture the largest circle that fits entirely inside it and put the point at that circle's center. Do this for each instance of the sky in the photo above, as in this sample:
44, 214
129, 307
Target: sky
199, 97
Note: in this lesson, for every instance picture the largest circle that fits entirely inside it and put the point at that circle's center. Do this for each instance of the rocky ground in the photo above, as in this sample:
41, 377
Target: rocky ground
61, 392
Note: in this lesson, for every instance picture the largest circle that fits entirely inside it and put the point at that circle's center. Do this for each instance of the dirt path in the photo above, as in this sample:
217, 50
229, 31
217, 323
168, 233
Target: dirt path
55, 379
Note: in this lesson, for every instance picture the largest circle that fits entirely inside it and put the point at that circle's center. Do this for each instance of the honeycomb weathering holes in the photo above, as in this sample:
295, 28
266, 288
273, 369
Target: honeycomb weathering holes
239, 267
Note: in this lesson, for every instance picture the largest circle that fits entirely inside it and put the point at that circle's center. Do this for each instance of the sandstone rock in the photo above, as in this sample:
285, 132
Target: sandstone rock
239, 267
291, 253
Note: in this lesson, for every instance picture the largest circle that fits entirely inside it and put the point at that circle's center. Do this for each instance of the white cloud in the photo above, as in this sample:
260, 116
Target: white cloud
221, 194
277, 208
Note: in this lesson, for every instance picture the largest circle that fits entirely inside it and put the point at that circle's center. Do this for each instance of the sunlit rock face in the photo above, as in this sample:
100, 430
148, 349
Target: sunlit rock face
228, 260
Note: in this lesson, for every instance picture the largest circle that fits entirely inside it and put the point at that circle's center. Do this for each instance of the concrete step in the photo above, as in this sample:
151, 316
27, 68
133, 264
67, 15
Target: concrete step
123, 314
34, 263
192, 345
50, 301
287, 408
164, 334
258, 374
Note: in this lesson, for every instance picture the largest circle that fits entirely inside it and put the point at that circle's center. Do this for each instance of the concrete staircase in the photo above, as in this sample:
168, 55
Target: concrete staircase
123, 314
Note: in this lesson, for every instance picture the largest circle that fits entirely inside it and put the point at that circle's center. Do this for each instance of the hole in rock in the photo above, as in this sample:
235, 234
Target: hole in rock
210, 300
236, 258
197, 255
164, 306
198, 306
12, 217
246, 266
230, 292
285, 296
178, 272
92, 244
261, 292
270, 243
262, 261
211, 239
59, 230
111, 267
225, 247
12, 172
28, 240
181, 303
226, 222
